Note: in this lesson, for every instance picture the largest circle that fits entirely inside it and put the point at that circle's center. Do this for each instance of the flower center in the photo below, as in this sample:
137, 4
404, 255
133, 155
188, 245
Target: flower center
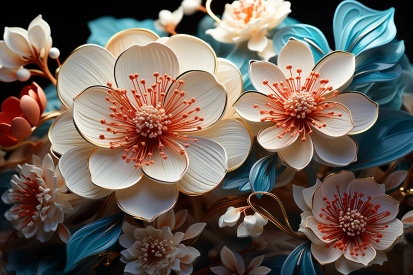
298, 107
353, 222
31, 198
148, 119
245, 10
154, 252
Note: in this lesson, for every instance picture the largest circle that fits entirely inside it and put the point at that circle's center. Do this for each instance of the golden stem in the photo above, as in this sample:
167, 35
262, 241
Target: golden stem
208, 8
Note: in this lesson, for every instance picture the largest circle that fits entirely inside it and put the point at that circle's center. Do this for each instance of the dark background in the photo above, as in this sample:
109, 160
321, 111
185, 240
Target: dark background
68, 20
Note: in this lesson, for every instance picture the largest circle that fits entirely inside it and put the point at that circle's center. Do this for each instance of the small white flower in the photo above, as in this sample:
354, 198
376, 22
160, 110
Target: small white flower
234, 264
169, 20
39, 202
253, 225
190, 6
167, 252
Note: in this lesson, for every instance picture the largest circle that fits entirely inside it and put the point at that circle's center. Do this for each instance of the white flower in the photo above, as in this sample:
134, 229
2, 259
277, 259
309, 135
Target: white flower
169, 20
250, 20
349, 221
39, 202
33, 43
157, 251
234, 264
191, 6
253, 225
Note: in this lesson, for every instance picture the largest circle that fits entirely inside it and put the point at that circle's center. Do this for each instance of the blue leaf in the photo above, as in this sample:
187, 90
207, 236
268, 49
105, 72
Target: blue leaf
290, 263
308, 266
53, 101
358, 28
306, 33
378, 76
390, 138
92, 239
263, 174
105, 27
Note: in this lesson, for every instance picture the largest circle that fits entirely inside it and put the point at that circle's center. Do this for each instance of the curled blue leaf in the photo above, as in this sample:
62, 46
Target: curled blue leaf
300, 261
390, 138
92, 239
103, 28
263, 174
358, 28
306, 33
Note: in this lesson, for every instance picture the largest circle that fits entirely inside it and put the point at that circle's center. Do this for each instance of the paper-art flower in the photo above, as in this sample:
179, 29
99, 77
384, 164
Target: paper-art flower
302, 113
159, 132
18, 116
349, 220
234, 264
39, 200
250, 20
156, 250
191, 6
21, 47
252, 225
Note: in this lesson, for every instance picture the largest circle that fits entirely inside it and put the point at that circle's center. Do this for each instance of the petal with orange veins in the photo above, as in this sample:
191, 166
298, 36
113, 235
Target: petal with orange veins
147, 199
263, 74
208, 98
170, 162
297, 54
270, 139
86, 66
339, 151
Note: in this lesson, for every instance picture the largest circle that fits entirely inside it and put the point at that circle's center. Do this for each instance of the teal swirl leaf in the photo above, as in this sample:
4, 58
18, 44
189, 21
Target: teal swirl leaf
263, 174
275, 263
300, 261
92, 239
306, 33
390, 138
358, 28
105, 27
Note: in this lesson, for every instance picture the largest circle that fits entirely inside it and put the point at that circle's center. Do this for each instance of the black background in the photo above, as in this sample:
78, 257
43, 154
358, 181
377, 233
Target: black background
68, 20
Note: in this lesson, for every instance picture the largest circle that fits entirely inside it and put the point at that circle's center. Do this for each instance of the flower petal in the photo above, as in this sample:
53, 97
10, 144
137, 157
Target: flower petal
220, 270
338, 67
387, 204
110, 171
86, 66
258, 42
395, 179
145, 60
339, 151
363, 257
389, 235
407, 219
298, 154
366, 186
325, 255
167, 170
30, 108
345, 266
194, 230
17, 40
89, 108
238, 147
263, 70
147, 199
37, 37
10, 59
364, 111
309, 192
268, 138
244, 105
20, 128
336, 184
335, 125
229, 75
208, 166
193, 53
63, 134
299, 55
126, 38
73, 166
309, 226
299, 198
209, 95
232, 262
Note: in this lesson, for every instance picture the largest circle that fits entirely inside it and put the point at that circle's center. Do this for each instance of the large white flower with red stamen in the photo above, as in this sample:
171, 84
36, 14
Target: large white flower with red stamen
39, 200
154, 127
349, 221
302, 113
